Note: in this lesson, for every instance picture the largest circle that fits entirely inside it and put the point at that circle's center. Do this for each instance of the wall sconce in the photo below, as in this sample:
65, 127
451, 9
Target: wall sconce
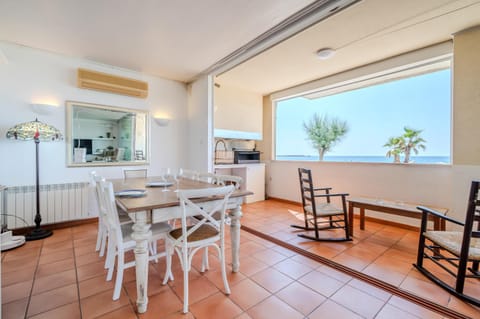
161, 121
44, 109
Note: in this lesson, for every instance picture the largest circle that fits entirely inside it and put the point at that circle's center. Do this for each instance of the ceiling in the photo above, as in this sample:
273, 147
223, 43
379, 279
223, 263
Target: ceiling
172, 39
180, 39
368, 31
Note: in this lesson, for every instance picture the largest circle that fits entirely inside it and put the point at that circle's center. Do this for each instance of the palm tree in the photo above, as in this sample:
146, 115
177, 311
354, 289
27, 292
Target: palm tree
324, 132
396, 145
413, 142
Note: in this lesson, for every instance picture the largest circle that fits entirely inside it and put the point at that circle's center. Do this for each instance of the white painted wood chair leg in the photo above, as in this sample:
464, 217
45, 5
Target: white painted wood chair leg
99, 237
103, 243
205, 265
186, 270
119, 279
221, 256
152, 246
110, 260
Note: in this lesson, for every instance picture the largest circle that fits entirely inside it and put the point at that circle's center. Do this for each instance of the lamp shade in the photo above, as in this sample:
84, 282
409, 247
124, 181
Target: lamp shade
34, 130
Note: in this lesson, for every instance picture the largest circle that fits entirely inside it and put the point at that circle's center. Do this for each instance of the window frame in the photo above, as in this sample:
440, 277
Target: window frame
440, 57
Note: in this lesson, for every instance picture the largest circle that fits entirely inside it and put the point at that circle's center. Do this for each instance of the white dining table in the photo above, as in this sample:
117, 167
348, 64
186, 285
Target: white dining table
158, 206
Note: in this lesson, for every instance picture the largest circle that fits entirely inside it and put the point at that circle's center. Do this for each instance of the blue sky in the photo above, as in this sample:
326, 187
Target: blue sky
373, 115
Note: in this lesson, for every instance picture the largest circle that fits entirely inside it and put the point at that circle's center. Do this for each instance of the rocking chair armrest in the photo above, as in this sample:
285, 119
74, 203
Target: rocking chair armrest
332, 195
426, 210
322, 189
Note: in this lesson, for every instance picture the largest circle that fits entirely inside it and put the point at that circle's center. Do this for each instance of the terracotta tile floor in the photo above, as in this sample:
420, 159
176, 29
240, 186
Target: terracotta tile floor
63, 277
382, 251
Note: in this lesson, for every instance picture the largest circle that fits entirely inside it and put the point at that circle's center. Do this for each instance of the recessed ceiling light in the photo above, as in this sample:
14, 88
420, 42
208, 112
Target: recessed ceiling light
325, 53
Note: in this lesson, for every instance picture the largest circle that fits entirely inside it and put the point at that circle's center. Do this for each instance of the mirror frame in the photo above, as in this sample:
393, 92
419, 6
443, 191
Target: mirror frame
69, 134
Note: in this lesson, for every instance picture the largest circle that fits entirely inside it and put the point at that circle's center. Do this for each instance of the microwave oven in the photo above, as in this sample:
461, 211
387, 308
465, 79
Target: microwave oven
243, 157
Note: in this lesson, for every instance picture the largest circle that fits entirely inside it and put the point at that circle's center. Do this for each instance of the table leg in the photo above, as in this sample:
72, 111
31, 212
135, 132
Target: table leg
141, 234
235, 215
362, 218
350, 218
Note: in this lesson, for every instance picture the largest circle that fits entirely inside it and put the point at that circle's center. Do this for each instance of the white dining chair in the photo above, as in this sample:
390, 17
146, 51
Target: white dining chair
102, 233
207, 231
134, 173
207, 177
120, 238
223, 180
236, 181
188, 174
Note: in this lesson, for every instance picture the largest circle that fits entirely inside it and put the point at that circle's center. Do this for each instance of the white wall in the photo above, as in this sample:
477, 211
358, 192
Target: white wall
34, 76
437, 185
238, 110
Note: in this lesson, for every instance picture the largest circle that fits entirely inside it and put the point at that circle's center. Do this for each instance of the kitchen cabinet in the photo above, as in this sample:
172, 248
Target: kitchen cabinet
253, 176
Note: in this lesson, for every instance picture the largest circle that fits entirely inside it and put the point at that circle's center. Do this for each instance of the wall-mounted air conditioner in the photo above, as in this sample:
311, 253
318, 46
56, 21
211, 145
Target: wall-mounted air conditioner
99, 81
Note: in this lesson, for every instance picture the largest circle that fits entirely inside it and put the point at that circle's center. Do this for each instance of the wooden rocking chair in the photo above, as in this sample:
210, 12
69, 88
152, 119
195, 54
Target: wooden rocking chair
455, 252
321, 215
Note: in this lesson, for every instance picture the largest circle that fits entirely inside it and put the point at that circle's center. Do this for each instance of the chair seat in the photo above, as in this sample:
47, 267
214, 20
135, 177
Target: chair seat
452, 241
324, 209
202, 233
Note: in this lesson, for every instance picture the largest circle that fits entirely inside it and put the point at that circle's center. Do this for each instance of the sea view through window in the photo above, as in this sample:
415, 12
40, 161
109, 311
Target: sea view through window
380, 119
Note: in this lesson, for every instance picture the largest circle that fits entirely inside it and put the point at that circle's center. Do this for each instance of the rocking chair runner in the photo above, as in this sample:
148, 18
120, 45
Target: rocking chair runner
454, 251
321, 215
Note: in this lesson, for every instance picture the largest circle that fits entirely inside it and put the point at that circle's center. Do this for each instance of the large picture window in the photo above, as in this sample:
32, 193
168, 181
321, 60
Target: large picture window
405, 119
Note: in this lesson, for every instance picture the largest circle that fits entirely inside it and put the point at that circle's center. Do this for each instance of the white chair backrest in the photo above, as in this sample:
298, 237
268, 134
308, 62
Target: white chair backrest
134, 173
230, 180
111, 213
208, 178
204, 213
95, 182
189, 174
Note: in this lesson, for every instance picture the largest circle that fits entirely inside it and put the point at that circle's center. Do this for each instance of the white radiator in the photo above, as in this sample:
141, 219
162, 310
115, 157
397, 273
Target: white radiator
58, 203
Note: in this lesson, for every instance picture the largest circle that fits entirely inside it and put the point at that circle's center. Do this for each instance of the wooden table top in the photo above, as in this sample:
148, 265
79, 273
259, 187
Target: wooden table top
156, 197
399, 205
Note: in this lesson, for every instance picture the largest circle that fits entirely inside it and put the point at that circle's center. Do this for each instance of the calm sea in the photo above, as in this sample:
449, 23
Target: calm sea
367, 159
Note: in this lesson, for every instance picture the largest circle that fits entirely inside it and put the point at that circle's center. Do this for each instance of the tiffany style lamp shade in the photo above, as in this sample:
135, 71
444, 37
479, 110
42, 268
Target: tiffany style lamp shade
36, 131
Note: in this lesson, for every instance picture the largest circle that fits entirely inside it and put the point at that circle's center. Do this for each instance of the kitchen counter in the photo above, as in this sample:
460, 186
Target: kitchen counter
236, 165
253, 175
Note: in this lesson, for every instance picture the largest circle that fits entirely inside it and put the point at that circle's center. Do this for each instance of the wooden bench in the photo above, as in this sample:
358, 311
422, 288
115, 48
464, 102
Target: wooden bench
390, 207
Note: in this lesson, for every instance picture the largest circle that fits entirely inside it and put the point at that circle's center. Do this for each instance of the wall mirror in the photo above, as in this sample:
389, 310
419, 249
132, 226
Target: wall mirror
100, 135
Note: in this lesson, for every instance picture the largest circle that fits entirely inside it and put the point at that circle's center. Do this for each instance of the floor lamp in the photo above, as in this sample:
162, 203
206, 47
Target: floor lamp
36, 131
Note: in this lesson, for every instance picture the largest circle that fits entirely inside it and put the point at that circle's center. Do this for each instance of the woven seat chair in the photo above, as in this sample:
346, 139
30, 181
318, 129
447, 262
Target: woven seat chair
206, 232
223, 180
319, 212
455, 252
